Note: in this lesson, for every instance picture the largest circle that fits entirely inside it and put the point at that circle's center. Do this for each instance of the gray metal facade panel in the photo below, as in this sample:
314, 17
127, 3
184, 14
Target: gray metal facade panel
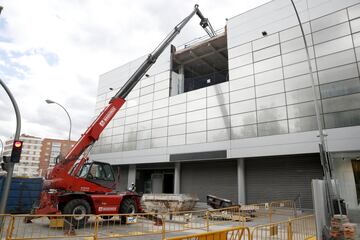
268, 93
218, 177
280, 178
198, 156
166, 165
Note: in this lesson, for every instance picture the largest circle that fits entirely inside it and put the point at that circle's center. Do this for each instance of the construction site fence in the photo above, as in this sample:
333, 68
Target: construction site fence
5, 223
300, 228
234, 233
268, 212
140, 224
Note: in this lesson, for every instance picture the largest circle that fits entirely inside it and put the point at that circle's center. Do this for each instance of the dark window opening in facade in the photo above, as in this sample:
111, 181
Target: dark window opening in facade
356, 169
155, 180
200, 65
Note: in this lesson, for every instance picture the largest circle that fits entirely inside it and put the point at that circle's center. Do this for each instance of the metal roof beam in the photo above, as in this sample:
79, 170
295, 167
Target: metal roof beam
204, 62
223, 58
202, 56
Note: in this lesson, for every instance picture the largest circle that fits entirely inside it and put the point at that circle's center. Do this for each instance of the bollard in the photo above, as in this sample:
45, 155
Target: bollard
10, 228
207, 221
96, 228
163, 231
289, 230
241, 217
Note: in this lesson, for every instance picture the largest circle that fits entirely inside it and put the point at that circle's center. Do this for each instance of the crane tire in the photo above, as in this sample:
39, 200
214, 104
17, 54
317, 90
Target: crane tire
127, 206
80, 208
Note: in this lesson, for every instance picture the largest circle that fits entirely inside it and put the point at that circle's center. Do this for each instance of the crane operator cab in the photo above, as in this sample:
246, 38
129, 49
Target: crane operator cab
99, 173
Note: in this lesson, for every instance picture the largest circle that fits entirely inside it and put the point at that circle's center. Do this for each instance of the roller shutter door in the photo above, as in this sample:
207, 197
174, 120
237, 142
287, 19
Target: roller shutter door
283, 177
210, 177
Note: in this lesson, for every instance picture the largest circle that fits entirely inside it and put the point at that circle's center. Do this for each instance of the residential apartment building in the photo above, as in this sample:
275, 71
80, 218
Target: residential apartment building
234, 115
38, 155
52, 149
30, 156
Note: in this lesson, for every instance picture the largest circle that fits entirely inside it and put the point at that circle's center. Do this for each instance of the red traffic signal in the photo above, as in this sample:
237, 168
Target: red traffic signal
18, 144
16, 151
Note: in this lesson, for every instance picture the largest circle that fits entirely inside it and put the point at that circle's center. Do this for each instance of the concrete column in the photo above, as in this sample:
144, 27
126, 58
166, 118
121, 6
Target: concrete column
131, 175
177, 178
241, 181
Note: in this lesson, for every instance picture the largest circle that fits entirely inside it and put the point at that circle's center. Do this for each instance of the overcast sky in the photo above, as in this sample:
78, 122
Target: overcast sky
57, 50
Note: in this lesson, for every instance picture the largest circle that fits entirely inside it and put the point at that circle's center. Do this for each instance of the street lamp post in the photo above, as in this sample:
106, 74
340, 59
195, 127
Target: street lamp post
50, 102
2, 147
324, 158
10, 165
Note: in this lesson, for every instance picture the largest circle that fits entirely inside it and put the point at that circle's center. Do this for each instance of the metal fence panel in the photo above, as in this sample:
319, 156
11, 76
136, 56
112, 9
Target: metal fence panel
129, 225
5, 225
235, 233
303, 227
294, 229
163, 225
52, 227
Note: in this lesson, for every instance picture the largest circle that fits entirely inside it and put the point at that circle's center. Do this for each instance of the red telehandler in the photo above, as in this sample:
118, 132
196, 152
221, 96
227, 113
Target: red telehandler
79, 186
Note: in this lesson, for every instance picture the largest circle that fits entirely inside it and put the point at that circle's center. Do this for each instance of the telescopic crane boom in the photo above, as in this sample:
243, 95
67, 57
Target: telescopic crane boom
94, 131
80, 187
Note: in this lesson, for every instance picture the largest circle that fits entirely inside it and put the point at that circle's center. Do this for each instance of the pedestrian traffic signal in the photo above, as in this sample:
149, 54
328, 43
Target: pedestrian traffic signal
16, 151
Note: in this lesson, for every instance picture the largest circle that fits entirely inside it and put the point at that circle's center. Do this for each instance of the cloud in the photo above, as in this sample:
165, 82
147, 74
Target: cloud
57, 50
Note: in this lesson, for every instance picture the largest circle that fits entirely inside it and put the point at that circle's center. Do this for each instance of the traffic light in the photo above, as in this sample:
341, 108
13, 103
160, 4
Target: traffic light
16, 151
6, 160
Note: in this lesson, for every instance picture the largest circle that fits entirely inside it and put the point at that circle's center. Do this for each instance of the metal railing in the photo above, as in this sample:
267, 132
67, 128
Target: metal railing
52, 227
128, 225
187, 220
144, 224
282, 208
227, 215
294, 229
200, 39
235, 233
5, 225
261, 212
303, 227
